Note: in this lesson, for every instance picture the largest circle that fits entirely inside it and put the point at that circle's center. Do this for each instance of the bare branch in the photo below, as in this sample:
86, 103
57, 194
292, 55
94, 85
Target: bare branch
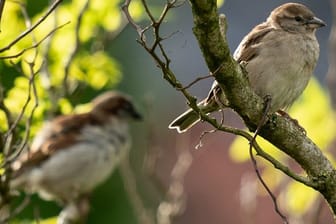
270, 193
31, 90
196, 81
36, 44
130, 19
278, 130
171, 78
201, 78
10, 154
30, 29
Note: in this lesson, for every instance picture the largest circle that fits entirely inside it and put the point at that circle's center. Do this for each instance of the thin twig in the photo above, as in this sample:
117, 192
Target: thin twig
192, 102
203, 134
13, 156
125, 7
8, 138
201, 78
268, 101
270, 193
9, 151
30, 29
195, 81
36, 44
32, 90
260, 152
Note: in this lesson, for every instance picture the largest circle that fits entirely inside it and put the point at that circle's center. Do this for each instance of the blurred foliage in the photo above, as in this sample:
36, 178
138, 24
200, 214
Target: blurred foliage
220, 3
67, 69
91, 69
296, 197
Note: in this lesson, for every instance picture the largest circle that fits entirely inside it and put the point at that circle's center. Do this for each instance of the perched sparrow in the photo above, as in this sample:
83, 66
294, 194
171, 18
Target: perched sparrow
72, 154
279, 56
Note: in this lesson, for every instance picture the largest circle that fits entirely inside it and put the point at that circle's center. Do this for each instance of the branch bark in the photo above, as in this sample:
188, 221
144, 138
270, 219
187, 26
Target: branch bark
278, 130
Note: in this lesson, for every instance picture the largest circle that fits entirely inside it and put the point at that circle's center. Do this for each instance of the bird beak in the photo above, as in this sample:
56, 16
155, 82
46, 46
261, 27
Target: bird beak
135, 115
316, 22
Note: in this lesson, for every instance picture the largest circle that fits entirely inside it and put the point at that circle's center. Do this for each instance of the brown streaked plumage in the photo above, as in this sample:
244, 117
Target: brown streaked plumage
279, 56
72, 154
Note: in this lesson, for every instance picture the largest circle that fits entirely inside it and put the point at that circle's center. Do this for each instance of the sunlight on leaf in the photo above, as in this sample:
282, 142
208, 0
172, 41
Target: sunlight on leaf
16, 96
98, 70
92, 68
136, 9
52, 220
3, 121
83, 108
31, 59
65, 106
12, 25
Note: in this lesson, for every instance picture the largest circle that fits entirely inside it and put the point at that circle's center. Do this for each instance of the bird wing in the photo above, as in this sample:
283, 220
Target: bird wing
248, 47
54, 136
246, 51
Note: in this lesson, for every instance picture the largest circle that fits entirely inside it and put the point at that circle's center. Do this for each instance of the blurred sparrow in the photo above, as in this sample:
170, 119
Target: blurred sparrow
73, 154
279, 56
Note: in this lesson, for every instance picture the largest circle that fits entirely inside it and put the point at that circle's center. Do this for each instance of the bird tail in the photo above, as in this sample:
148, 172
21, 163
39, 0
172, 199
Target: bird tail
185, 121
189, 118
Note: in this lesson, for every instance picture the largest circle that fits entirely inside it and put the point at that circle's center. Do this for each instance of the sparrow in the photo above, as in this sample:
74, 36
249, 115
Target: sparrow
279, 56
72, 154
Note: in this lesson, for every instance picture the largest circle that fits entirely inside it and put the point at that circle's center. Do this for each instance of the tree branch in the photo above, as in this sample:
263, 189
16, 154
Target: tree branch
278, 130
30, 29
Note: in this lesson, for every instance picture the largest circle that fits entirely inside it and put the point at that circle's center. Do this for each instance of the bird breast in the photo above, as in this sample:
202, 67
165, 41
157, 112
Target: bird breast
83, 166
272, 72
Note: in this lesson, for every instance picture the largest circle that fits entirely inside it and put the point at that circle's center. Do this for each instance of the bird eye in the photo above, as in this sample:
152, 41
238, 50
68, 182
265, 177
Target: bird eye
127, 106
298, 18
